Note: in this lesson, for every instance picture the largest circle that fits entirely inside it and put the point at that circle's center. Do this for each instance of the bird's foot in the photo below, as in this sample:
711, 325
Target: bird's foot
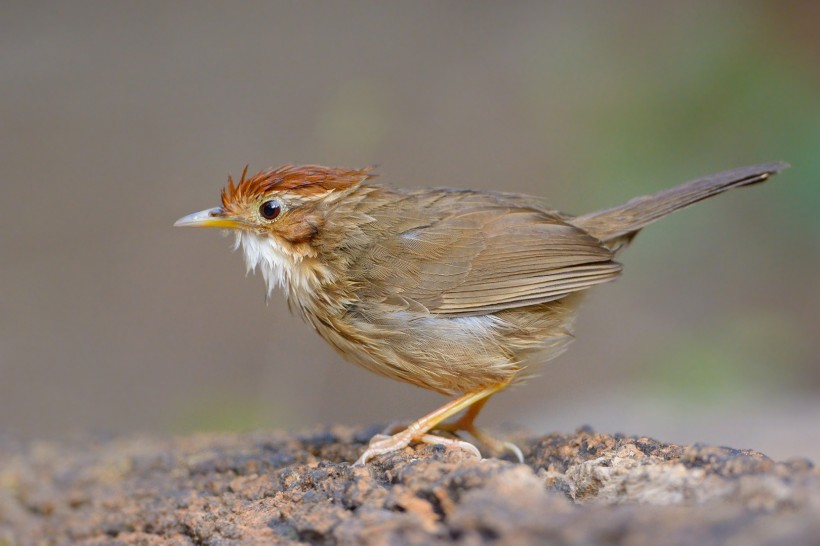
499, 446
434, 439
418, 431
492, 443
381, 444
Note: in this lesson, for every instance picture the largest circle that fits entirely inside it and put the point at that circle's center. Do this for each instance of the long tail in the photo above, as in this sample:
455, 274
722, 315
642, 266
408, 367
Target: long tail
624, 221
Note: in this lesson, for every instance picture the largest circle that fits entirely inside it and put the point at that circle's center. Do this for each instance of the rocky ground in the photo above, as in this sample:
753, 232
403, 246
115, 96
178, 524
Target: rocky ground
269, 488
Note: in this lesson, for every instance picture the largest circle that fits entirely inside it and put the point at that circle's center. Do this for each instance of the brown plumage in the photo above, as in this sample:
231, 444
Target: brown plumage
456, 291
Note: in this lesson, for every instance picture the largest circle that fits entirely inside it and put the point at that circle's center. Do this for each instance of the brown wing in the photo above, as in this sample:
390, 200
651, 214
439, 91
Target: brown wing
470, 253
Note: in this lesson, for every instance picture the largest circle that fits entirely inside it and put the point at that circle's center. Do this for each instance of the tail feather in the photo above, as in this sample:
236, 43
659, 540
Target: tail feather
625, 220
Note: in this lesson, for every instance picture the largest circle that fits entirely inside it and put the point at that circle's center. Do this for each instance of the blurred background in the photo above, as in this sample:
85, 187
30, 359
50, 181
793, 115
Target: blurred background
118, 118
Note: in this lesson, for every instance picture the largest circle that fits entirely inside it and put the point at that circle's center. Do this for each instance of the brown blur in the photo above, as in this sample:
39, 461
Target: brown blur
118, 118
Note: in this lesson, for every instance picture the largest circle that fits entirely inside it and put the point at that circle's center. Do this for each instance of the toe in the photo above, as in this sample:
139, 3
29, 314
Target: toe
451, 442
381, 444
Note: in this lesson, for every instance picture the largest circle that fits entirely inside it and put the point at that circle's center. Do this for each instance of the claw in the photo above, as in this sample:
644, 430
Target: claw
509, 446
496, 446
433, 439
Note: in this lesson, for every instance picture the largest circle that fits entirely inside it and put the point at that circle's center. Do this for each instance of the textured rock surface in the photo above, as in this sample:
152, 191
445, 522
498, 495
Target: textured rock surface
581, 488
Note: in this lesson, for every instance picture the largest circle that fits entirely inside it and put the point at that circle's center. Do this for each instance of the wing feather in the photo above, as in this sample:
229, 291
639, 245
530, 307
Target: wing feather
471, 253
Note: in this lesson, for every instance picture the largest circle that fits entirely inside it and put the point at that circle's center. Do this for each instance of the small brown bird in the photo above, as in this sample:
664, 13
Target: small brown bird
455, 291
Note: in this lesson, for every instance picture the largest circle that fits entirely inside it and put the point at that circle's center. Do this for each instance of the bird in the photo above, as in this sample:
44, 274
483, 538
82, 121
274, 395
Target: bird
457, 291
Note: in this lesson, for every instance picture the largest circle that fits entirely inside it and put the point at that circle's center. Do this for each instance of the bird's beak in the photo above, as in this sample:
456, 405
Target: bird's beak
215, 217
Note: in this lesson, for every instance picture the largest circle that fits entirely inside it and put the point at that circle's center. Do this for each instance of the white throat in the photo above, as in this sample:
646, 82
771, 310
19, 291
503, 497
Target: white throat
279, 266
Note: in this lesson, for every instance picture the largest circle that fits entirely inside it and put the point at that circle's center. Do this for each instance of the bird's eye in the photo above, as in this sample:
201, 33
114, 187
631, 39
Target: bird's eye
270, 209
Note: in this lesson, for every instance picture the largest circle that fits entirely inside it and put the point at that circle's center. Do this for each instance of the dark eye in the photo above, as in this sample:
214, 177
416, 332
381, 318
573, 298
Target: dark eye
270, 209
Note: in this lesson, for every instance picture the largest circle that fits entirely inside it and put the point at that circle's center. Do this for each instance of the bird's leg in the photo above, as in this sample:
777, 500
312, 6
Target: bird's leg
465, 423
418, 430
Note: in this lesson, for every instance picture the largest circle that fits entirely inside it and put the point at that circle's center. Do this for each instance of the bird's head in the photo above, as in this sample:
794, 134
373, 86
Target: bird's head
276, 213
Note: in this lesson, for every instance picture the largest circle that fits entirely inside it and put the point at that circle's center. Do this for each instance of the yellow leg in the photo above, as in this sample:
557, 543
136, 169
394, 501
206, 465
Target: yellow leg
466, 421
417, 431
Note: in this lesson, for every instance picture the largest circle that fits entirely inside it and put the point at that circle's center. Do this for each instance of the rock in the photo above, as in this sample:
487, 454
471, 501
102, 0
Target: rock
263, 488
